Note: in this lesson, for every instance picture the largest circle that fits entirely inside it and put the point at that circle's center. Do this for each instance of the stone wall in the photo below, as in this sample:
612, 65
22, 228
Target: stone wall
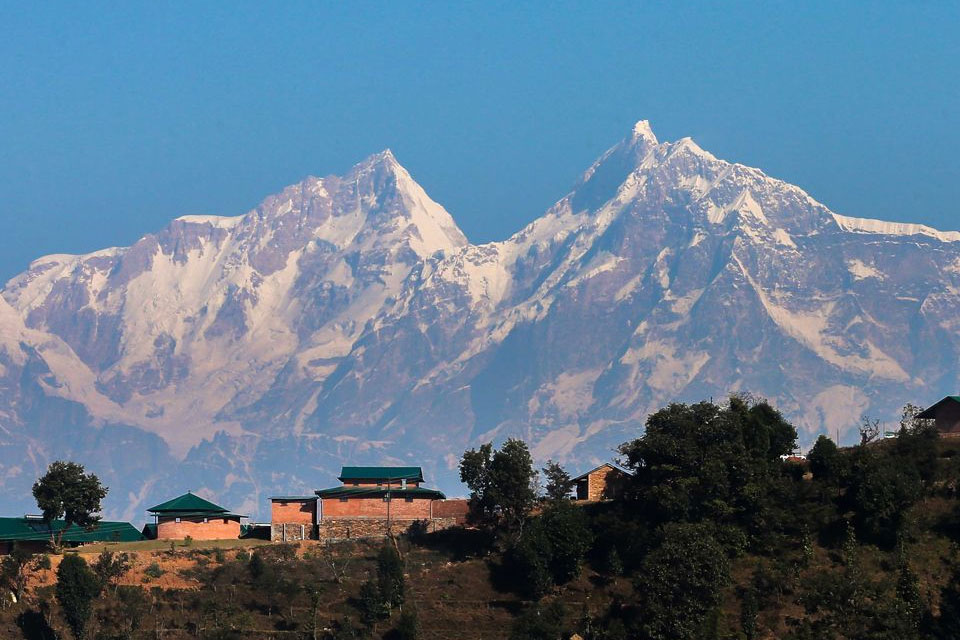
603, 483
292, 531
355, 528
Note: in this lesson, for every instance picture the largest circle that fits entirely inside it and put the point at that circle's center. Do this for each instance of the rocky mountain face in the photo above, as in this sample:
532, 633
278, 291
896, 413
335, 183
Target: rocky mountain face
347, 319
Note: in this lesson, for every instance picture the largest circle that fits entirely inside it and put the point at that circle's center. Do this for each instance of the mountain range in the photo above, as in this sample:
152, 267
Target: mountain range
347, 319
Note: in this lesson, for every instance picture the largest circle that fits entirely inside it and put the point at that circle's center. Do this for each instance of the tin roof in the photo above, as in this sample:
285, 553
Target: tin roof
381, 473
931, 412
37, 529
605, 464
187, 503
378, 492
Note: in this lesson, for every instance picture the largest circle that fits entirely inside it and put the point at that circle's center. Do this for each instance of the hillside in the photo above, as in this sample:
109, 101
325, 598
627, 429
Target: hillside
714, 538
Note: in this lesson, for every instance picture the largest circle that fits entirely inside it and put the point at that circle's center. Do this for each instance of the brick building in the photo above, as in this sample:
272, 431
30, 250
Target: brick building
372, 501
603, 483
293, 518
190, 515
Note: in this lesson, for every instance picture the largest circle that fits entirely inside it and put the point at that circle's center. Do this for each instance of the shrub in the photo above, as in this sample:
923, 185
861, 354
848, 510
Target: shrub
77, 588
390, 575
153, 571
679, 582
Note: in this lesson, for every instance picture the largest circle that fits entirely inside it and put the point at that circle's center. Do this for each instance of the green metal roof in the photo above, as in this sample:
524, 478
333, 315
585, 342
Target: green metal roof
37, 529
381, 473
293, 498
931, 412
205, 514
378, 492
187, 503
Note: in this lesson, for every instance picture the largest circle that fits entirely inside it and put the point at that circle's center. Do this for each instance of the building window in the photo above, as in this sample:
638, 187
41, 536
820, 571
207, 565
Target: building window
386, 498
344, 499
206, 520
226, 521
408, 499
177, 520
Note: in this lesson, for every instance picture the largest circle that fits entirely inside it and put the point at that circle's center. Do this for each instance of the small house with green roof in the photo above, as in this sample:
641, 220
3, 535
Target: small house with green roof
945, 415
34, 535
190, 515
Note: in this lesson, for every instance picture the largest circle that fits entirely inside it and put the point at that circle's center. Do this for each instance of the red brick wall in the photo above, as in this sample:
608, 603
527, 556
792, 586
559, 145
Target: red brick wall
196, 528
293, 511
378, 483
372, 507
451, 509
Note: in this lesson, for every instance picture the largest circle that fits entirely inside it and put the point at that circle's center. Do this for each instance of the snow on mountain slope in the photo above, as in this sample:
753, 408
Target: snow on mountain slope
348, 319
208, 311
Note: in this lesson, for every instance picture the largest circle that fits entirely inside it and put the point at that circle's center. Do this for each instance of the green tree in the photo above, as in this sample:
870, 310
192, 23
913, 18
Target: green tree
558, 481
948, 624
370, 604
825, 460
569, 538
703, 462
910, 606
77, 588
679, 582
408, 628
110, 567
475, 473
67, 492
390, 575
881, 492
540, 622
528, 562
13, 570
501, 483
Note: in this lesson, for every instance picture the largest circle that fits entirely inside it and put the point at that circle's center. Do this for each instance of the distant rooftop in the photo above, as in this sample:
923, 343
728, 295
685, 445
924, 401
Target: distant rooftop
187, 503
23, 529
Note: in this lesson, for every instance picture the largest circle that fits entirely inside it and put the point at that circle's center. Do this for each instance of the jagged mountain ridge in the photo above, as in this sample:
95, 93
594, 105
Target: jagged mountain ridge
349, 319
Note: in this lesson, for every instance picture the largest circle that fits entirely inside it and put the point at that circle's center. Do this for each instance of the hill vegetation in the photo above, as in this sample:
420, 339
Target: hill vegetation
718, 534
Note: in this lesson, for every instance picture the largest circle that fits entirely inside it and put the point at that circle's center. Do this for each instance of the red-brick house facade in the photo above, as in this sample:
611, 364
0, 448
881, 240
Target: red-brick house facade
190, 515
293, 518
372, 501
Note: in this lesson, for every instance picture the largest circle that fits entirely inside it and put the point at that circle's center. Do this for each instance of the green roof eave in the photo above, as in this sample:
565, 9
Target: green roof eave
23, 529
187, 502
293, 498
931, 412
205, 514
381, 473
379, 492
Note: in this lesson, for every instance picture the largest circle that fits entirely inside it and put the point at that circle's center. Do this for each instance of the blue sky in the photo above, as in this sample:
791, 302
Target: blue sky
115, 118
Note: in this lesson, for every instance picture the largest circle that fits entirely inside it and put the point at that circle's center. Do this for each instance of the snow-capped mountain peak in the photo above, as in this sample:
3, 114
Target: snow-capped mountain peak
347, 318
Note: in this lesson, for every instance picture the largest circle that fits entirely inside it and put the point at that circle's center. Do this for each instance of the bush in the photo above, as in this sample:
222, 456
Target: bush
539, 623
409, 626
153, 571
390, 575
679, 582
77, 588
551, 549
